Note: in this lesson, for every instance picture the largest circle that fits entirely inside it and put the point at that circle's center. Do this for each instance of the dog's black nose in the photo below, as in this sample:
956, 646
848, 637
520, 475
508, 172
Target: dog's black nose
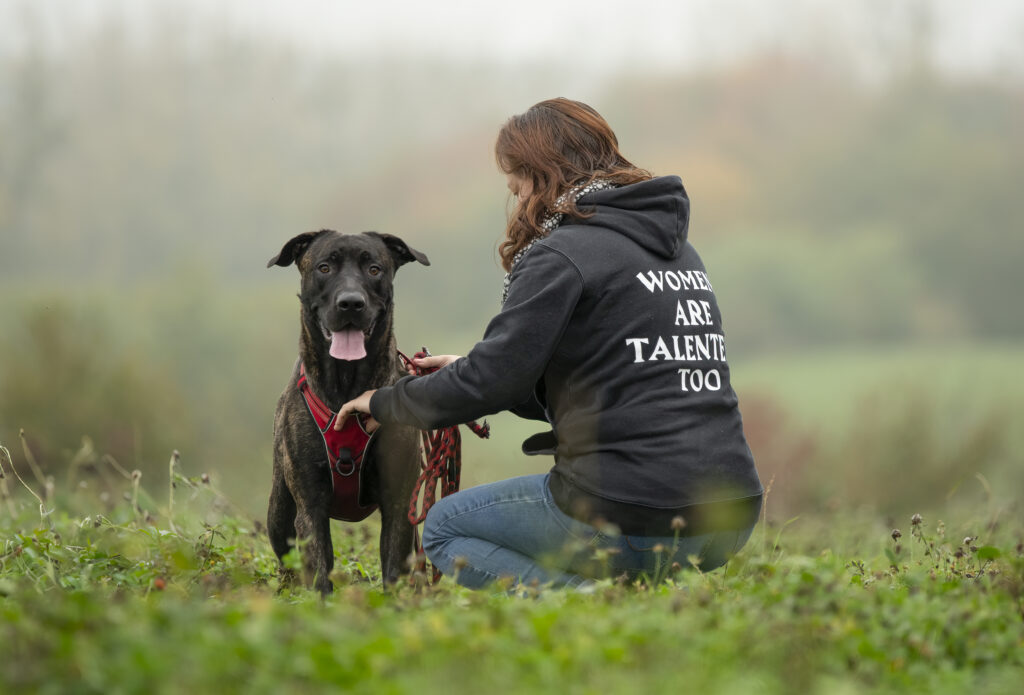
350, 301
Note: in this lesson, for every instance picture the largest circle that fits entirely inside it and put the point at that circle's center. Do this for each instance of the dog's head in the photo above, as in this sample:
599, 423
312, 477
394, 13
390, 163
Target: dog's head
346, 283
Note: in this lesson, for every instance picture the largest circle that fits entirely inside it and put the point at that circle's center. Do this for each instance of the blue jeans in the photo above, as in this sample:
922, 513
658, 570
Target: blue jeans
514, 529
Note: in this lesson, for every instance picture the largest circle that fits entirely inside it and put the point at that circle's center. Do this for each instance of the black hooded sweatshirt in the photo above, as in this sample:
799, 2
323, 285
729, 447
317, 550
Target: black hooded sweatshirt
611, 333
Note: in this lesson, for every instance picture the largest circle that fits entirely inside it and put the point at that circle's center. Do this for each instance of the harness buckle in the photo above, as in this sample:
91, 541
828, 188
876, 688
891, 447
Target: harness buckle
344, 461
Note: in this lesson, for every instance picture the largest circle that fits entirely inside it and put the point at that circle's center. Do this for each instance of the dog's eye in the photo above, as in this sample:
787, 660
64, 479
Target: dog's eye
374, 270
324, 268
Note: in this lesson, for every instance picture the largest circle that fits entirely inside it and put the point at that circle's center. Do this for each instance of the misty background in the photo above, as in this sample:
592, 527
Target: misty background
854, 173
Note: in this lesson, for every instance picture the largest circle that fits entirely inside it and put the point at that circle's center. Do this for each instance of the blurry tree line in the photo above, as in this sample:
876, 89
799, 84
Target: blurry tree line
898, 201
143, 185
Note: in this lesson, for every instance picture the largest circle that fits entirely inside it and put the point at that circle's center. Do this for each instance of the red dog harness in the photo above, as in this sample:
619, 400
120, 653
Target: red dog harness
441, 461
345, 449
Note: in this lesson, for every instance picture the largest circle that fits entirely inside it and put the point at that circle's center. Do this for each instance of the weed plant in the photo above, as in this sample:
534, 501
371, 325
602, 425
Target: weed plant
107, 589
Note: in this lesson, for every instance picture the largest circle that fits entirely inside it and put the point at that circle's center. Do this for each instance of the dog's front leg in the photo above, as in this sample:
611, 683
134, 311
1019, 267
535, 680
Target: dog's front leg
398, 471
313, 527
281, 521
395, 543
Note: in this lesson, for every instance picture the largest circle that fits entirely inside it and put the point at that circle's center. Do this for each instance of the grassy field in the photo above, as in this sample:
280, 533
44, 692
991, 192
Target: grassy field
124, 593
107, 588
824, 389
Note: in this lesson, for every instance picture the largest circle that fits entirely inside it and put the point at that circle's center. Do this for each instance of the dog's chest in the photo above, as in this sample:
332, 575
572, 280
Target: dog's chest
346, 449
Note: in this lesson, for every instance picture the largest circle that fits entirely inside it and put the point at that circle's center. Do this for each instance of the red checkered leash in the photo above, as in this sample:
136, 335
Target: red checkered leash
441, 462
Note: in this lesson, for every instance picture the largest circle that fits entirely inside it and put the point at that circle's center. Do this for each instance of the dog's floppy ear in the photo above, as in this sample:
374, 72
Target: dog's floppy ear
400, 251
292, 251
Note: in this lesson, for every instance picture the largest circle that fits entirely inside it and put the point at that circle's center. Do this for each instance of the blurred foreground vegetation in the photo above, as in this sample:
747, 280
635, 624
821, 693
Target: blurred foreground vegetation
151, 595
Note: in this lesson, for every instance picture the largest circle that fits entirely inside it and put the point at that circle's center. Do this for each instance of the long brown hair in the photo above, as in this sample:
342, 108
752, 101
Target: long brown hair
556, 144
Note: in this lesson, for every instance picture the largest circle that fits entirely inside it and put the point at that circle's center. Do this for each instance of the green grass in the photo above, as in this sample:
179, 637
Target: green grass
123, 593
825, 388
105, 588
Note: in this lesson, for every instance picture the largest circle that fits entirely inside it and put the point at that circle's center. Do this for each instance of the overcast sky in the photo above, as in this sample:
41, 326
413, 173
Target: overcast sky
976, 36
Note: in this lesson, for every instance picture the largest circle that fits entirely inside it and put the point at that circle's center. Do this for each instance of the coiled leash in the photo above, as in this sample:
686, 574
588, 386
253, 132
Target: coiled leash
440, 462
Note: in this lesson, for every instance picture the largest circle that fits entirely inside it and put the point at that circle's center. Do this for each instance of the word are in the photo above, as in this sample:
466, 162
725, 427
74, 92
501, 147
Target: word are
695, 314
687, 348
675, 280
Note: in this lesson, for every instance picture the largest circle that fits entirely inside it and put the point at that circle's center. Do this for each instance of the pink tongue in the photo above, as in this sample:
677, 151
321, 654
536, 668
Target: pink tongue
348, 345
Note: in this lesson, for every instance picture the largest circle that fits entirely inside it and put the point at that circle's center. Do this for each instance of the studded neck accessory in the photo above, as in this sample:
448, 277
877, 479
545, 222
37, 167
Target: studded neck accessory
551, 221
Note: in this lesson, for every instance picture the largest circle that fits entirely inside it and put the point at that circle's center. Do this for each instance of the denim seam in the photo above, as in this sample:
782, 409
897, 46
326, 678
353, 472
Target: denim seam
557, 516
493, 503
551, 507
452, 558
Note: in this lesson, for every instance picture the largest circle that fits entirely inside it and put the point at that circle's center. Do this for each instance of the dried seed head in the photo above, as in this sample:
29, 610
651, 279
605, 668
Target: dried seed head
959, 553
967, 540
678, 523
205, 477
676, 567
896, 535
974, 548
136, 475
916, 520
658, 548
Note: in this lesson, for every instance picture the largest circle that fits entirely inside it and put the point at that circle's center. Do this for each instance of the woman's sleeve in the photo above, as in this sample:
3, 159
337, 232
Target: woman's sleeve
501, 370
530, 409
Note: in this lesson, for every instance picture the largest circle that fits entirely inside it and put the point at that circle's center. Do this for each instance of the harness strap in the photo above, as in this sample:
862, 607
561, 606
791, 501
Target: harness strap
345, 449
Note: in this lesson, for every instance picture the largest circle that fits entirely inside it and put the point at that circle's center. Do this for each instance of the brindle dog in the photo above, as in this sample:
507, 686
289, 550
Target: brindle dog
347, 346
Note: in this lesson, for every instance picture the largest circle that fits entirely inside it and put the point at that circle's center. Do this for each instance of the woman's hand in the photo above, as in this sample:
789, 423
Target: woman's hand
359, 404
431, 362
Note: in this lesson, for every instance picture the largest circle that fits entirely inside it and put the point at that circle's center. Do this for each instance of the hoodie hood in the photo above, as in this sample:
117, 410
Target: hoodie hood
654, 214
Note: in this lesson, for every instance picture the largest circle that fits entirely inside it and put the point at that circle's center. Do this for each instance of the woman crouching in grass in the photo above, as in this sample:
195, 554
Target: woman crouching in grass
609, 331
